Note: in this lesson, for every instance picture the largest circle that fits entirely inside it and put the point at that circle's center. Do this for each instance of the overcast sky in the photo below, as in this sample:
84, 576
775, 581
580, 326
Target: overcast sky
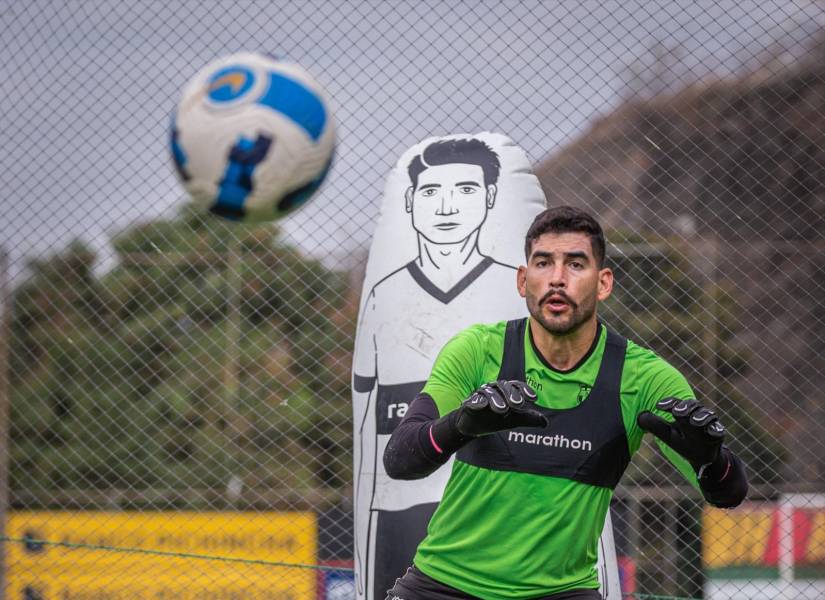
87, 89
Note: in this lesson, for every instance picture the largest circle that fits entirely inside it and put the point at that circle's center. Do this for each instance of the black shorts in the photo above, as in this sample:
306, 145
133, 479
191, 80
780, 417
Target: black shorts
414, 585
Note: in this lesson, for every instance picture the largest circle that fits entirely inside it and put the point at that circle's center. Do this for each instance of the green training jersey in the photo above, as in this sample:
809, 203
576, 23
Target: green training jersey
500, 534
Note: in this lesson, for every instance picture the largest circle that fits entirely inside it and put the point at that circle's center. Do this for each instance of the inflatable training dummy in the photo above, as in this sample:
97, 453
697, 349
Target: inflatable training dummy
438, 263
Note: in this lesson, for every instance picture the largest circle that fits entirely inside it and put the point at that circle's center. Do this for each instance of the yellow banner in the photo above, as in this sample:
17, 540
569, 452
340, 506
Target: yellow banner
735, 537
47, 572
749, 535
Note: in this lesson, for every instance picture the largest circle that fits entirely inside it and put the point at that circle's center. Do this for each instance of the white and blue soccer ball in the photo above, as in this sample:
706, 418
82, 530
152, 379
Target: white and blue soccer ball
252, 137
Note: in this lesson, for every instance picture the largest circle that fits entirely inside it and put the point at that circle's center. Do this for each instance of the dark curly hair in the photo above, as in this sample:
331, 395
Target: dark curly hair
567, 219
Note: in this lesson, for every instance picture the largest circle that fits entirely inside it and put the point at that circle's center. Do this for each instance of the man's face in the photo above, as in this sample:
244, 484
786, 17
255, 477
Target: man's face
562, 282
450, 202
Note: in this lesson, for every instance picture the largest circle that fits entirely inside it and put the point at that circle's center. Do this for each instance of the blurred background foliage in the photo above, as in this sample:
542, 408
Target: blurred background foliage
142, 379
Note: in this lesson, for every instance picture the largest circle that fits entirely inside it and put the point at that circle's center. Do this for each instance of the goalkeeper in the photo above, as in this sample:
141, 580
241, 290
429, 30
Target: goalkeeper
543, 415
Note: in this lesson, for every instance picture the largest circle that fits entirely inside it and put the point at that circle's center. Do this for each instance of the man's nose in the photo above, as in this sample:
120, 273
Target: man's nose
558, 276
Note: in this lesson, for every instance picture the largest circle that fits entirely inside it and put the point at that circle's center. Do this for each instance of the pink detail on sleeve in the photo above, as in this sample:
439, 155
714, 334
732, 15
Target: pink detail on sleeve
439, 450
722, 478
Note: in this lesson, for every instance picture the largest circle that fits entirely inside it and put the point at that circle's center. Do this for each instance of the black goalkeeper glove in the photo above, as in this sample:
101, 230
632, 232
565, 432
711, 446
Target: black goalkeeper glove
498, 406
696, 432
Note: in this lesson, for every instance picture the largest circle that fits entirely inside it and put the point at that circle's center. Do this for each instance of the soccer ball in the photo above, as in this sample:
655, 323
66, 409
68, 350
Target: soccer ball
252, 137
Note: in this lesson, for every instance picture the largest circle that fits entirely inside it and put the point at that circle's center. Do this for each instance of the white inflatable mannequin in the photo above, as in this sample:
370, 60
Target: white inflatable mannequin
434, 268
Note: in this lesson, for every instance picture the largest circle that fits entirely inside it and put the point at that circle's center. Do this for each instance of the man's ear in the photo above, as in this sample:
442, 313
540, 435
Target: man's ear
605, 284
521, 281
409, 198
491, 195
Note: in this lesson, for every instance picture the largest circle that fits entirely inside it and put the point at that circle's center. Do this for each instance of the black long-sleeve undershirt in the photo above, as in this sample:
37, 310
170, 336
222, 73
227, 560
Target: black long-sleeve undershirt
423, 442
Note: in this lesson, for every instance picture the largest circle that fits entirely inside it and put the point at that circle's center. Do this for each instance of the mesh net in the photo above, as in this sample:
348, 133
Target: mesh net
176, 388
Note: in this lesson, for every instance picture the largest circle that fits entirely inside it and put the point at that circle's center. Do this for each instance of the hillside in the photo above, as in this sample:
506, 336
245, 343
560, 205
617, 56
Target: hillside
733, 174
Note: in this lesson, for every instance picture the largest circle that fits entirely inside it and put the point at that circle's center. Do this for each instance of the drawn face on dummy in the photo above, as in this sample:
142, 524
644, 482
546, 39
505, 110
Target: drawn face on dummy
450, 202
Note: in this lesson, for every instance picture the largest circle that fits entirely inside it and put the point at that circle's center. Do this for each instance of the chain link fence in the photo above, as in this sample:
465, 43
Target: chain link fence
176, 389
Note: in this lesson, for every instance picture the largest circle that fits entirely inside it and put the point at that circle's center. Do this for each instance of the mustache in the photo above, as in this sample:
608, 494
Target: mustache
561, 294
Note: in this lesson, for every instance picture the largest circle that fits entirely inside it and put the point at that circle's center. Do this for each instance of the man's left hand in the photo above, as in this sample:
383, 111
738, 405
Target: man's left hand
695, 433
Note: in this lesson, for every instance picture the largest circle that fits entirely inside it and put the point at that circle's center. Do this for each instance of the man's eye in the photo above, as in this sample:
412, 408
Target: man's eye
467, 189
428, 192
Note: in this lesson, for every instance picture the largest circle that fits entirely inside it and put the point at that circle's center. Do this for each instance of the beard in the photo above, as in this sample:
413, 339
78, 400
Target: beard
564, 324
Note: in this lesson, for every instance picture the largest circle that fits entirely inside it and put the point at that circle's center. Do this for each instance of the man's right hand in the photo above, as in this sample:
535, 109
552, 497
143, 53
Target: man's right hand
498, 406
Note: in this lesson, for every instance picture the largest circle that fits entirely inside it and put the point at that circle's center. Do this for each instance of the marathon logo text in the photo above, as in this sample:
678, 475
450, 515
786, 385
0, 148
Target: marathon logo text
552, 441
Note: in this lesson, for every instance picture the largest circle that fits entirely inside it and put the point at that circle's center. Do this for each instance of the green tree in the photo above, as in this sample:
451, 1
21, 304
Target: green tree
210, 354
